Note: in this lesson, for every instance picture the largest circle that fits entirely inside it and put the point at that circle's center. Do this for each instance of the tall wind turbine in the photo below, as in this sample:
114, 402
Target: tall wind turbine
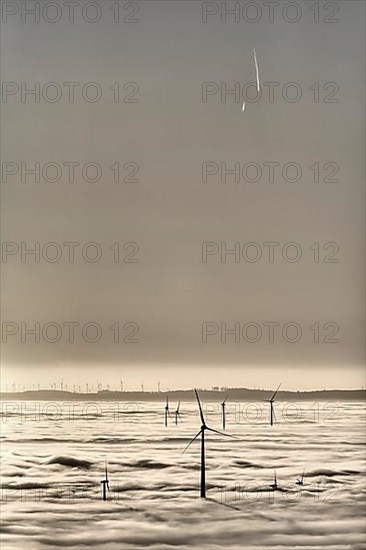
271, 401
201, 433
223, 405
105, 483
166, 411
177, 414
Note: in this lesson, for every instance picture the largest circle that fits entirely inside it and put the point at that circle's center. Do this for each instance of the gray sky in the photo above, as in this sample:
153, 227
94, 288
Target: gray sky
170, 212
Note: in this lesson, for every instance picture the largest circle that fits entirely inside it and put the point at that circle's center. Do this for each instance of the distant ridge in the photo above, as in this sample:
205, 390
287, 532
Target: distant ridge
234, 394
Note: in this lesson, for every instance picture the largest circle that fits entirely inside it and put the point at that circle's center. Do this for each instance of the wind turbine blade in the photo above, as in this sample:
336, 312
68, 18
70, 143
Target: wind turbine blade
106, 471
256, 70
200, 407
303, 475
222, 433
178, 407
275, 393
224, 401
190, 443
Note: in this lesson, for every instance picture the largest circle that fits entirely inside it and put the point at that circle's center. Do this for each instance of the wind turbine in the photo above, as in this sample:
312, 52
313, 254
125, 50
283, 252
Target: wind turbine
177, 414
201, 433
301, 480
105, 483
166, 411
271, 401
274, 485
223, 405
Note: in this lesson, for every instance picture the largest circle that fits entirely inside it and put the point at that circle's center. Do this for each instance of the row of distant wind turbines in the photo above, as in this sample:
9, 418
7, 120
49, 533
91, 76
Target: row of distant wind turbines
177, 416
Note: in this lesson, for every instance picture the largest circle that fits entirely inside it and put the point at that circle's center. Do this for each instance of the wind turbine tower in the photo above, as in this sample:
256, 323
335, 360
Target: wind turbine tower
177, 414
105, 483
201, 433
166, 411
223, 406
271, 401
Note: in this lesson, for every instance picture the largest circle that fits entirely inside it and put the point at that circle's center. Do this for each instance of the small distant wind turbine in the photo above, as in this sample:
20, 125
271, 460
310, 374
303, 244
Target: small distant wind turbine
301, 480
271, 401
177, 414
201, 433
166, 411
274, 485
105, 483
223, 405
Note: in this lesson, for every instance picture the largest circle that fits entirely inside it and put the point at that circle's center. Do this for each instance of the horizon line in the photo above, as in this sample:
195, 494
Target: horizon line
211, 390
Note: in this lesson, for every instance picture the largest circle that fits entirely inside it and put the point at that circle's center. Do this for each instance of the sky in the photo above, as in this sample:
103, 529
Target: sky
149, 280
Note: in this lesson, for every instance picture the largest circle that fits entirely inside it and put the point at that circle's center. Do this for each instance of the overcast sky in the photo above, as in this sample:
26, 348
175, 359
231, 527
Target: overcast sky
169, 293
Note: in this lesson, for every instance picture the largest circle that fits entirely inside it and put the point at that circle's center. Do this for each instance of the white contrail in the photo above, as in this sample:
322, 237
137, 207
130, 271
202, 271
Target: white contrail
256, 70
243, 107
